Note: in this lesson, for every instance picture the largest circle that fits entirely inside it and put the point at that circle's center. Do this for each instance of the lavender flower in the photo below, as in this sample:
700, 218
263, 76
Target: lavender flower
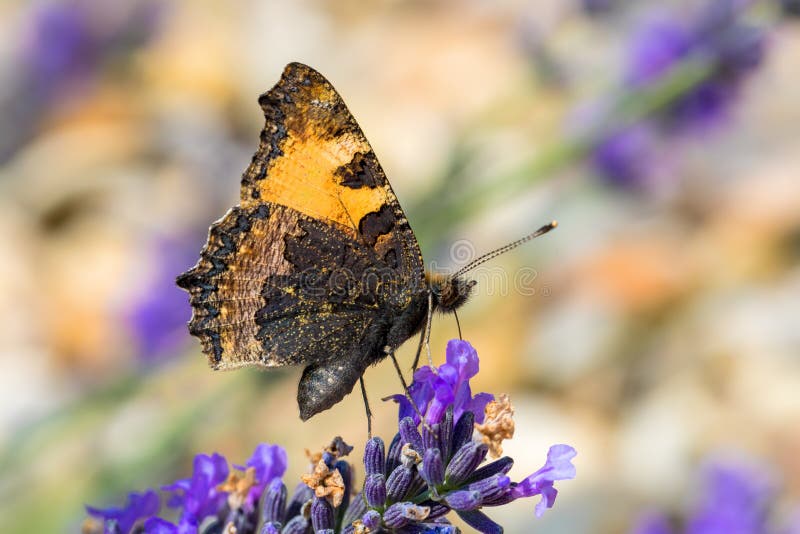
140, 506
64, 48
434, 465
157, 319
734, 499
438, 464
213, 497
433, 390
717, 37
720, 37
198, 496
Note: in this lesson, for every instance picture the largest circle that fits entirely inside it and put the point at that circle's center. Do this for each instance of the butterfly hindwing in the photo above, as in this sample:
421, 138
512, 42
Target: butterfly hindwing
272, 288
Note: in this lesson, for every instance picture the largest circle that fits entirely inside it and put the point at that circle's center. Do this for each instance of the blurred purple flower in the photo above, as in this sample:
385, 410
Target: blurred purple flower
734, 498
654, 49
625, 157
719, 38
140, 506
157, 319
61, 45
64, 46
67, 41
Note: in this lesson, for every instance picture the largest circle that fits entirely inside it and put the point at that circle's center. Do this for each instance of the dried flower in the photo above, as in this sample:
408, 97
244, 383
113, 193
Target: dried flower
498, 425
325, 482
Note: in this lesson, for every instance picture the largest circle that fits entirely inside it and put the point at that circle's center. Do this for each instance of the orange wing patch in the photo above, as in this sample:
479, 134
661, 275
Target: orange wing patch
317, 194
308, 146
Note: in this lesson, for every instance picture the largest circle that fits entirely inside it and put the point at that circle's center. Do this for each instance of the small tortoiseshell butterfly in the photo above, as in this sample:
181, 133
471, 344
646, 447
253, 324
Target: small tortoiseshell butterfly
317, 265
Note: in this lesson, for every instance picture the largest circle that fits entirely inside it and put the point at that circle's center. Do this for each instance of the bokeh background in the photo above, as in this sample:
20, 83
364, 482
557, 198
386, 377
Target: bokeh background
661, 328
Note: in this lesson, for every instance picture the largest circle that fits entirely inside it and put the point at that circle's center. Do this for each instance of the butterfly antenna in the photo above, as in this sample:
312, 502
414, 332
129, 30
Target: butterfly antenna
502, 250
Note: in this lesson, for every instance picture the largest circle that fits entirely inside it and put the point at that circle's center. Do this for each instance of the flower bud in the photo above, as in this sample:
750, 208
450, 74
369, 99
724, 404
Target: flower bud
375, 490
356, 509
302, 494
446, 434
346, 473
478, 520
491, 487
321, 514
297, 525
270, 528
398, 483
393, 456
273, 502
410, 434
464, 462
371, 520
463, 500
402, 513
432, 468
501, 466
462, 432
374, 457
430, 436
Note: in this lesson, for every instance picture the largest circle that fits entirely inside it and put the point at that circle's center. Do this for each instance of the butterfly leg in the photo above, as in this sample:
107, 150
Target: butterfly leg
426, 336
419, 352
428, 328
390, 352
458, 324
366, 407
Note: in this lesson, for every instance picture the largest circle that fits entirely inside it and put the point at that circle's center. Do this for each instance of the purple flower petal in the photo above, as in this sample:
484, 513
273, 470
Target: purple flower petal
443, 397
461, 355
269, 462
549, 494
735, 501
198, 496
655, 49
626, 157
433, 390
478, 405
557, 467
139, 506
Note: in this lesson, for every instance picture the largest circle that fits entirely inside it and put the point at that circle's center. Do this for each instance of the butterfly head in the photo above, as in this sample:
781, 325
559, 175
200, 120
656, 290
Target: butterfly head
449, 292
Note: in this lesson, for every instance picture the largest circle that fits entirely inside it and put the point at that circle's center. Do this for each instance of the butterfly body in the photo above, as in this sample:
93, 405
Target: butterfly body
317, 265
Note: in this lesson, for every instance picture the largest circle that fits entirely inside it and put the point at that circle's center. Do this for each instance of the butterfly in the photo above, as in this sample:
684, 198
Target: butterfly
317, 265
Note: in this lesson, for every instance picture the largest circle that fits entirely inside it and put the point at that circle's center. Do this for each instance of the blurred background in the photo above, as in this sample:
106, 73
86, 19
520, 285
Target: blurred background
658, 327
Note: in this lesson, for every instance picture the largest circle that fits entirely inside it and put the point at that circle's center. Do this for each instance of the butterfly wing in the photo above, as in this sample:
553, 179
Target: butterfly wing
314, 158
302, 270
